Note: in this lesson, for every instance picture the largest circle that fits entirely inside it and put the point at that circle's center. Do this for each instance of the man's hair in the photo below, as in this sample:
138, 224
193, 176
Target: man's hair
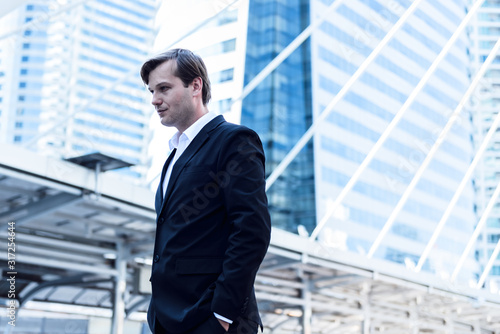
189, 66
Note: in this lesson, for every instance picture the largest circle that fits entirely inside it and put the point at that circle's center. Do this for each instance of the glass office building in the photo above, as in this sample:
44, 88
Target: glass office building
283, 106
67, 58
220, 39
485, 32
22, 66
280, 108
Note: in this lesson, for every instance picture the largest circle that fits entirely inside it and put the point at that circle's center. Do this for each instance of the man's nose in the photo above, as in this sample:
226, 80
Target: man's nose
155, 100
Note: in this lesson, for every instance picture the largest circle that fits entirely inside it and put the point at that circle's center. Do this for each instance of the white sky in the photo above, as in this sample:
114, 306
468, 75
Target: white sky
174, 20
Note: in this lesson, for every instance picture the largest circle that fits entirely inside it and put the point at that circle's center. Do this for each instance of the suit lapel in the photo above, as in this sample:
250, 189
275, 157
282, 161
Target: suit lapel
188, 154
159, 191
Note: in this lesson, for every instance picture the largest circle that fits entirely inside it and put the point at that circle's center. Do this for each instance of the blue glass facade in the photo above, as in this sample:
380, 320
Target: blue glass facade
376, 97
279, 109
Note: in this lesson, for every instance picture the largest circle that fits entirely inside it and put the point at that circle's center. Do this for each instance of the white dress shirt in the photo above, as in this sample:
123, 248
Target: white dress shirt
181, 141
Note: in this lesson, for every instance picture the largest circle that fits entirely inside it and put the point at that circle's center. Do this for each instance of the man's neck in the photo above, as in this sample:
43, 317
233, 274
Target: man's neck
194, 120
196, 117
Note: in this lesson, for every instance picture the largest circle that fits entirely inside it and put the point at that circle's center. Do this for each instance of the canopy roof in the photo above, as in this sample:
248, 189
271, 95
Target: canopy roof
77, 234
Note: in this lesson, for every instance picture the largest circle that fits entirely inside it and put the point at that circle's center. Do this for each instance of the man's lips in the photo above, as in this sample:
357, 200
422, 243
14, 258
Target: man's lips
160, 111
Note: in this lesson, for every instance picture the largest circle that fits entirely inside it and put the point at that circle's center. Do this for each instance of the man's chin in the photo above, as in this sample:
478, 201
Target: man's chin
165, 122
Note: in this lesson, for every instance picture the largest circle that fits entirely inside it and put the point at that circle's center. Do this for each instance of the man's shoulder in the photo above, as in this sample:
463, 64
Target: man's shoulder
229, 129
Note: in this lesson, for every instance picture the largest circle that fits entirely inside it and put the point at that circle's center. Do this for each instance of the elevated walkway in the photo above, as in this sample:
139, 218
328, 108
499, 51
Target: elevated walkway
84, 245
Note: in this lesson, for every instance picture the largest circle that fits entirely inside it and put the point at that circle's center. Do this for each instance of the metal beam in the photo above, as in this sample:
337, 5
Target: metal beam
489, 265
298, 301
484, 217
59, 255
287, 51
39, 180
392, 125
430, 155
55, 243
82, 279
306, 308
120, 227
120, 209
319, 120
50, 263
458, 192
134, 307
34, 210
120, 286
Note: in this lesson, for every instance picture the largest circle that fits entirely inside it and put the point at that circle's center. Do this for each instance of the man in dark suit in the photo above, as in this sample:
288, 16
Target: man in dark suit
213, 225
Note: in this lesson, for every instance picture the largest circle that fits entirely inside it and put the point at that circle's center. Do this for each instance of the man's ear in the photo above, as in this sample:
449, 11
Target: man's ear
197, 86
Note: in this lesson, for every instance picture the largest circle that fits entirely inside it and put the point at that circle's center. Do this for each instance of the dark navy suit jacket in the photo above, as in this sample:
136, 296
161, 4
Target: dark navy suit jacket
213, 230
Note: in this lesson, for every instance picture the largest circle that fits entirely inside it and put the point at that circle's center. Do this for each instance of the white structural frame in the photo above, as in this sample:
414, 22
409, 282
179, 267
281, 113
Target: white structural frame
489, 207
423, 81
430, 155
117, 82
302, 285
314, 126
287, 51
458, 193
489, 265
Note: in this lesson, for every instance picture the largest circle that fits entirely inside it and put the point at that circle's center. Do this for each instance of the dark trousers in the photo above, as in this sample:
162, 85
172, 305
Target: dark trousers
212, 326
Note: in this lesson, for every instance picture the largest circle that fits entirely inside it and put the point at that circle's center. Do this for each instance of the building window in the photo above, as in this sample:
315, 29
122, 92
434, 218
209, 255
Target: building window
17, 139
20, 98
27, 33
22, 85
227, 17
495, 271
224, 105
24, 59
26, 45
19, 125
28, 19
222, 76
24, 71
493, 238
30, 7
223, 47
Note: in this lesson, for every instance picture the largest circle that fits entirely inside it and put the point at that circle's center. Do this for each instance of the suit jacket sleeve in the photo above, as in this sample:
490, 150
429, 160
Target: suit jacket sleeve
242, 160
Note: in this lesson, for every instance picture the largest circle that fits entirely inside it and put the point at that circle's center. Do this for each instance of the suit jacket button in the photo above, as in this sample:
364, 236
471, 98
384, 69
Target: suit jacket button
161, 220
157, 258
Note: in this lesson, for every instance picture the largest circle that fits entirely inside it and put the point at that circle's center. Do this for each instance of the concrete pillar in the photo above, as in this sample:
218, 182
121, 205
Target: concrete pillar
307, 308
119, 292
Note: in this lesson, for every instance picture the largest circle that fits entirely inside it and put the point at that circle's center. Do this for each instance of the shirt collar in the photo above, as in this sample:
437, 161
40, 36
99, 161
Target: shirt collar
192, 131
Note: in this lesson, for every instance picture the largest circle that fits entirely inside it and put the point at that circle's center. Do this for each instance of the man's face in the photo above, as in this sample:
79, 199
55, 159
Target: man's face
173, 102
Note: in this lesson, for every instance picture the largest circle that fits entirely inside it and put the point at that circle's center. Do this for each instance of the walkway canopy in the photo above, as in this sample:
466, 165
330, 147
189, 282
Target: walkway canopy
84, 244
